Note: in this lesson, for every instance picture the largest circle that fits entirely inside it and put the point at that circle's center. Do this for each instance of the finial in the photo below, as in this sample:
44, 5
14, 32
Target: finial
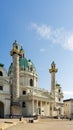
15, 41
21, 48
53, 67
21, 52
53, 64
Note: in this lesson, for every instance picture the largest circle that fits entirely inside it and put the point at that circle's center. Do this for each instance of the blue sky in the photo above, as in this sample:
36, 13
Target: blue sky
45, 30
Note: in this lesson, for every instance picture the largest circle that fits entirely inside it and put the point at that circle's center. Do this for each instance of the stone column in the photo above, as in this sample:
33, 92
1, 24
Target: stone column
16, 76
41, 107
46, 108
37, 107
15, 53
53, 83
32, 106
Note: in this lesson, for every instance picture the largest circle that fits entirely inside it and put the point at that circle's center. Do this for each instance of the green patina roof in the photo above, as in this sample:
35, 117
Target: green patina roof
57, 84
24, 64
1, 65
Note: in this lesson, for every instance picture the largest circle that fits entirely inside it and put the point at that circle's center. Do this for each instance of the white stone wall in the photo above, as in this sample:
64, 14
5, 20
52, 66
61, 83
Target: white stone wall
25, 79
6, 89
29, 108
46, 109
5, 93
5, 99
58, 94
7, 107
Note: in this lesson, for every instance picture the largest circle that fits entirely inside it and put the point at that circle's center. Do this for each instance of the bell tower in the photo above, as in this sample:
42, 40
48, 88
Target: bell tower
15, 53
53, 70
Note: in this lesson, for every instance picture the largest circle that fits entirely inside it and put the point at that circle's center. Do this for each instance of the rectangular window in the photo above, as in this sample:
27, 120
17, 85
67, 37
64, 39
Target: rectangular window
1, 87
59, 99
23, 104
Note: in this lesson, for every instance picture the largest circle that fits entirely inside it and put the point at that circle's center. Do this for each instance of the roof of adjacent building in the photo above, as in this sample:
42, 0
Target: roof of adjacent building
70, 99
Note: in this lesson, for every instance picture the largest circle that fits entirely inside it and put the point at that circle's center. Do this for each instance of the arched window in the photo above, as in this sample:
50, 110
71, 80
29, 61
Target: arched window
59, 99
31, 82
16, 47
31, 68
59, 90
1, 74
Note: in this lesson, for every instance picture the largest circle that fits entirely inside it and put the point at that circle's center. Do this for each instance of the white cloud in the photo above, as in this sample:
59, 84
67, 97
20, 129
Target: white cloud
42, 50
68, 94
69, 43
43, 30
56, 36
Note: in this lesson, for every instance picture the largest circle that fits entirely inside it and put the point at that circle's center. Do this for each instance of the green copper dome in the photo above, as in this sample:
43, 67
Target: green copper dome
24, 64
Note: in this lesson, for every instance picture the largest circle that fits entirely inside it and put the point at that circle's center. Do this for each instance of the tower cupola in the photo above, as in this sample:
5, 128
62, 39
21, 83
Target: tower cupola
15, 49
53, 67
22, 55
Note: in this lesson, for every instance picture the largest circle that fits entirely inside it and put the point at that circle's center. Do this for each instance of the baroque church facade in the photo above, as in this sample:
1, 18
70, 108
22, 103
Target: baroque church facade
19, 91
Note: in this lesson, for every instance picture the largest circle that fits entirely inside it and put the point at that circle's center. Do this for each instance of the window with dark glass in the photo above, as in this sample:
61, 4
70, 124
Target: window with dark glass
24, 92
1, 87
31, 68
1, 74
23, 104
31, 82
59, 90
16, 47
59, 99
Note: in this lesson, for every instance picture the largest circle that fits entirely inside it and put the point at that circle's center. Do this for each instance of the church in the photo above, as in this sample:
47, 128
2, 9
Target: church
19, 91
